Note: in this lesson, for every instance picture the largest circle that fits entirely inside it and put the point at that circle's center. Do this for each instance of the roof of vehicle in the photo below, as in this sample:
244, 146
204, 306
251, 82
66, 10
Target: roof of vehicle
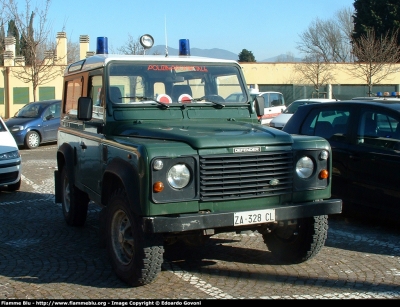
316, 100
392, 104
101, 60
44, 102
377, 99
291, 108
255, 92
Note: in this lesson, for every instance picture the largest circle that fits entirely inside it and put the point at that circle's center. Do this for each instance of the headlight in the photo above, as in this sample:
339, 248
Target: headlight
304, 167
178, 176
16, 128
10, 155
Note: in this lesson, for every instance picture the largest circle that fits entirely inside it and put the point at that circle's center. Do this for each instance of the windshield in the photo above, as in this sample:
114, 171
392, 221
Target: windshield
174, 83
292, 108
30, 110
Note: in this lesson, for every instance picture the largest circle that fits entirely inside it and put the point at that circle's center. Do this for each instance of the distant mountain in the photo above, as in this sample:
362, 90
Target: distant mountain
209, 53
282, 58
215, 53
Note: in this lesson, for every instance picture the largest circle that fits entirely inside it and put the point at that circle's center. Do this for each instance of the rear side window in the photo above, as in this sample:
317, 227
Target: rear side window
378, 129
329, 123
72, 94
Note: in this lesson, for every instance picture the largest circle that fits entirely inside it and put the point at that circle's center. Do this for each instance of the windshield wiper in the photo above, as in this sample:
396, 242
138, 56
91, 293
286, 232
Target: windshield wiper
144, 98
209, 99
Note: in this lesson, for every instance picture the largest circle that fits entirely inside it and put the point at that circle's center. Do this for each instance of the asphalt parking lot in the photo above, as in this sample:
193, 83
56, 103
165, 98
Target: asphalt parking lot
43, 258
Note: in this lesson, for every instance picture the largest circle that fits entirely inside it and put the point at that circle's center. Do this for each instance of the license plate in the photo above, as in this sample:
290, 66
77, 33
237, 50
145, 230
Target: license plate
254, 217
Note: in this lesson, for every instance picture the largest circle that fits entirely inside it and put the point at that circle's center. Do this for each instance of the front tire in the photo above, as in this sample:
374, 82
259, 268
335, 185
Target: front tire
136, 257
74, 201
32, 140
298, 242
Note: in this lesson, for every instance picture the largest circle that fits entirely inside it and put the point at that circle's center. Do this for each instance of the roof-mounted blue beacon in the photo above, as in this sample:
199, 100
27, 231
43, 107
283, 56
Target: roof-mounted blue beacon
184, 47
102, 45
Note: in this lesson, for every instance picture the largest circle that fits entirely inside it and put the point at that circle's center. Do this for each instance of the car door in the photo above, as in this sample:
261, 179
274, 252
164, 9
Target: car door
333, 122
92, 151
51, 122
375, 160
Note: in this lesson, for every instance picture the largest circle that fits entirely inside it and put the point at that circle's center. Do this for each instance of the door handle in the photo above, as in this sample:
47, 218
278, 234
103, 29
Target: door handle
83, 145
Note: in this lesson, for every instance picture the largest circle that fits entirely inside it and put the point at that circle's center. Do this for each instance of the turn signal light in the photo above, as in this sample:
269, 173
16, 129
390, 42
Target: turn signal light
158, 187
324, 174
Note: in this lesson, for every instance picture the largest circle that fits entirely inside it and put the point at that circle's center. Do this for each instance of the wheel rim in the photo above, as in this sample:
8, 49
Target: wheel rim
33, 140
67, 196
121, 237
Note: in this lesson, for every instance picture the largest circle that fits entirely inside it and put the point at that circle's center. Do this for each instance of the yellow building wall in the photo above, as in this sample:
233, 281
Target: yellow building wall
284, 73
9, 109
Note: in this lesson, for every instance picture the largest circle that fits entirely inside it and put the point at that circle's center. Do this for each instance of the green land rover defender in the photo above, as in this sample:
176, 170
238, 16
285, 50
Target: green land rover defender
152, 141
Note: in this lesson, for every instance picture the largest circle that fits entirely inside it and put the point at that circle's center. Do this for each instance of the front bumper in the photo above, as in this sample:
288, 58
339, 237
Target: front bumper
10, 172
19, 137
200, 221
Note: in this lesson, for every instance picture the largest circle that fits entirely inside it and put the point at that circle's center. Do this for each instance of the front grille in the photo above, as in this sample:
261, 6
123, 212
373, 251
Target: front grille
8, 177
241, 176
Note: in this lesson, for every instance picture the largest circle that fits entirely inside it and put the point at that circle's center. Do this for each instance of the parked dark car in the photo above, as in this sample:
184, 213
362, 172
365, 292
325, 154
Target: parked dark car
36, 123
365, 140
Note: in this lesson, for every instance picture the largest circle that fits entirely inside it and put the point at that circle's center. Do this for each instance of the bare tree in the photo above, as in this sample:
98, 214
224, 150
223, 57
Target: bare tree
375, 57
132, 46
73, 50
314, 70
329, 39
35, 35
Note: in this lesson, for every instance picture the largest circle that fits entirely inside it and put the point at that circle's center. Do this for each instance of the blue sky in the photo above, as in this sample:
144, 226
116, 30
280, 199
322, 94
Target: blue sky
265, 27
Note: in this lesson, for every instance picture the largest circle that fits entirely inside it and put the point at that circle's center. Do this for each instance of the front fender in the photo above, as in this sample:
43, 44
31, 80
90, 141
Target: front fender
66, 157
121, 174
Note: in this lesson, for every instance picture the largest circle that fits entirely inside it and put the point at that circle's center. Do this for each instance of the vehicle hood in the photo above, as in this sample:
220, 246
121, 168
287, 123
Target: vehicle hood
7, 142
209, 134
281, 119
22, 121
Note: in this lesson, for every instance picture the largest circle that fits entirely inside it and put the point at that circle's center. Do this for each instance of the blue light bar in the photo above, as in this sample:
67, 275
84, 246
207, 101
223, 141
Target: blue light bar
184, 47
102, 45
379, 94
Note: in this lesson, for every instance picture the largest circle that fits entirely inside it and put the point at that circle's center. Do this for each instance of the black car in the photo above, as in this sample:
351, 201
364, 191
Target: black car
365, 140
36, 123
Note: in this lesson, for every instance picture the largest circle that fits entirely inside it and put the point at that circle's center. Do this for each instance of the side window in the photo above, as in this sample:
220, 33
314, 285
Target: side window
72, 94
49, 111
266, 101
96, 93
329, 123
276, 100
379, 130
96, 84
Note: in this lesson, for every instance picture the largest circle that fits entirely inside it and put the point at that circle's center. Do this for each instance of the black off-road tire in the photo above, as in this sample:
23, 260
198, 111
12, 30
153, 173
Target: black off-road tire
299, 242
74, 202
32, 140
136, 257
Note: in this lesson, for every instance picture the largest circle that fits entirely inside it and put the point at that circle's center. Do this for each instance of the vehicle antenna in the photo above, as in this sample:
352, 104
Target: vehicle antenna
166, 44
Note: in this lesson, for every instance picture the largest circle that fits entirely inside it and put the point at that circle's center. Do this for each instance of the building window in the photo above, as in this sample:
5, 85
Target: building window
21, 95
47, 93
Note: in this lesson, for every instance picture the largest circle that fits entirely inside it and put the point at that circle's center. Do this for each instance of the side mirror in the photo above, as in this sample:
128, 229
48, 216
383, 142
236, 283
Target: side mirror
259, 104
85, 108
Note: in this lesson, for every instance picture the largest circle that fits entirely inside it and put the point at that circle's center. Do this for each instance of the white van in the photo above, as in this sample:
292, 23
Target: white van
274, 104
